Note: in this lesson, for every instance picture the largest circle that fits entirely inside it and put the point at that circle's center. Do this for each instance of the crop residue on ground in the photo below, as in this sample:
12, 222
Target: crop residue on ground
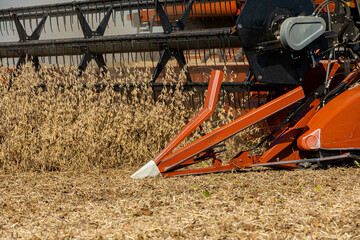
263, 204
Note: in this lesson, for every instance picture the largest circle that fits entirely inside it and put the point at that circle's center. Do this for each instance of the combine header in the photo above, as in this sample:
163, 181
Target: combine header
304, 53
284, 42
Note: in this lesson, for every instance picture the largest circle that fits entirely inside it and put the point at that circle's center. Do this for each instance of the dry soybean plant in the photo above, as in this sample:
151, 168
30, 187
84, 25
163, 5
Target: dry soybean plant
66, 128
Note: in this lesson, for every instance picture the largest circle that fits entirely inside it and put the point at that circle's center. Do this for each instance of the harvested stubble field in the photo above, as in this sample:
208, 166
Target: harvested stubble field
264, 204
66, 158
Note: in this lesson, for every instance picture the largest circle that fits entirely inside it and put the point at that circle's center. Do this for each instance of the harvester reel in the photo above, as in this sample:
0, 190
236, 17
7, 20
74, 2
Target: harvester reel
24, 37
88, 33
167, 53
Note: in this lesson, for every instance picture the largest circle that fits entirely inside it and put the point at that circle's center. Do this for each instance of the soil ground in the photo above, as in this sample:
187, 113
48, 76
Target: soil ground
107, 204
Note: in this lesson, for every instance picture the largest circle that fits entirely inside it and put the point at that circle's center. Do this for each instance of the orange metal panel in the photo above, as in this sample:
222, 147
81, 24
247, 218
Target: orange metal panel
213, 9
336, 125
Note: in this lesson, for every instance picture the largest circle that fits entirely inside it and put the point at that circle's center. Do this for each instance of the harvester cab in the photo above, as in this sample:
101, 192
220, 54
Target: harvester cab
283, 42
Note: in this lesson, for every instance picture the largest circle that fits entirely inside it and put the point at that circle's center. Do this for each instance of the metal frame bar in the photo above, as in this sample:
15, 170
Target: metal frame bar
185, 155
185, 40
310, 160
205, 113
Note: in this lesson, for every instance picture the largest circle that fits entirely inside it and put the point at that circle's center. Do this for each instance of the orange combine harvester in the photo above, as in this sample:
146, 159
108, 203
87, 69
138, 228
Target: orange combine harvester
304, 53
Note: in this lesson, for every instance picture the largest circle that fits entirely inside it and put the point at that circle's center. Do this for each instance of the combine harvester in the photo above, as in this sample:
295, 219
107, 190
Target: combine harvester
304, 53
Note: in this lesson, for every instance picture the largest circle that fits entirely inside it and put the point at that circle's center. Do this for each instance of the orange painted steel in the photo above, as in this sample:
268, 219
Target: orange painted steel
335, 126
281, 149
199, 10
209, 107
185, 154
214, 10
